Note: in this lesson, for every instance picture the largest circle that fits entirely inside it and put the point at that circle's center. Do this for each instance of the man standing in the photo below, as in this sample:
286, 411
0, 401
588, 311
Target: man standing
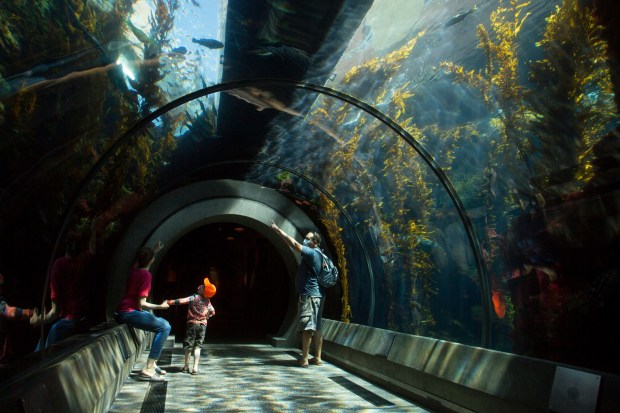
310, 304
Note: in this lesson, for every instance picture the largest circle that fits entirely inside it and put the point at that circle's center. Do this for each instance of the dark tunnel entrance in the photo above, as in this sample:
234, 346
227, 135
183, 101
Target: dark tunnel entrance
251, 279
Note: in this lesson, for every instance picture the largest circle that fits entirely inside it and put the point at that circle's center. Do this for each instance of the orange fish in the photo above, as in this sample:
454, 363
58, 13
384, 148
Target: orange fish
499, 304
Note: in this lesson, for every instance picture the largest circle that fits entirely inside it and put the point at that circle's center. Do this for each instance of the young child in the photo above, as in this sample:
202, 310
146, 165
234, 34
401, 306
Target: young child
199, 311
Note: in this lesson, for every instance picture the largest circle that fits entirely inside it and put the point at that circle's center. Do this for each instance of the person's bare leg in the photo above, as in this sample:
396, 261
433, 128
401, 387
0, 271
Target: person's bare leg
187, 354
306, 338
149, 368
318, 347
196, 359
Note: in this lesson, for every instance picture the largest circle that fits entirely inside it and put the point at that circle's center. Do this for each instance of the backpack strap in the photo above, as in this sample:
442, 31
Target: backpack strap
316, 274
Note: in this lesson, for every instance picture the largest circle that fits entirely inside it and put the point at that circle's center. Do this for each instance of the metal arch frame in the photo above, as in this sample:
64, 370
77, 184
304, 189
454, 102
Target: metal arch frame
428, 159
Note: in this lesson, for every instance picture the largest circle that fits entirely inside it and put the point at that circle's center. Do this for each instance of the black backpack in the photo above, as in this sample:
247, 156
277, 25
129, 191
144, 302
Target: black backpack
328, 274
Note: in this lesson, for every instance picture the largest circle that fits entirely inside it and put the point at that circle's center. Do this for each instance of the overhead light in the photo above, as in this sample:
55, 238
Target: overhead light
230, 238
239, 229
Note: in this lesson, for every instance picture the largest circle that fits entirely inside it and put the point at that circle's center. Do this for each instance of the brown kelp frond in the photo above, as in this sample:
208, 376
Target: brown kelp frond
576, 55
162, 21
381, 67
330, 221
402, 215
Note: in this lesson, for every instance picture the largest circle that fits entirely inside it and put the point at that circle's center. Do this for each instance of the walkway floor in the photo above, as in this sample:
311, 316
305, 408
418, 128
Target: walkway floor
252, 378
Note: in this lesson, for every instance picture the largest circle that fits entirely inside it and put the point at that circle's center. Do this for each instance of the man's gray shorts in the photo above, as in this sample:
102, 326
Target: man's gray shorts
310, 310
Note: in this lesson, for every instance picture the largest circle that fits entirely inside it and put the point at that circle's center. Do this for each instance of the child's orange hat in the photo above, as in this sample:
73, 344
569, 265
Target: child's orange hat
210, 289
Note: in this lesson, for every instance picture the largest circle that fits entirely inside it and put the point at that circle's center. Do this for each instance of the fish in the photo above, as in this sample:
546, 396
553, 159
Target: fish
210, 43
180, 50
499, 304
116, 45
298, 57
283, 6
140, 35
459, 17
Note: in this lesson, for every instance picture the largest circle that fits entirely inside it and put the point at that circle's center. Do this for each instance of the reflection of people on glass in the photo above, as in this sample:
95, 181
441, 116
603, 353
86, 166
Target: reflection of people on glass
9, 313
133, 310
67, 290
199, 311
24, 83
310, 305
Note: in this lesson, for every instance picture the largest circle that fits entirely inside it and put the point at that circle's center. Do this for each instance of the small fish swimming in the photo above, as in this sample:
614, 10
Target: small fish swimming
140, 35
180, 50
210, 43
117, 45
459, 17
285, 53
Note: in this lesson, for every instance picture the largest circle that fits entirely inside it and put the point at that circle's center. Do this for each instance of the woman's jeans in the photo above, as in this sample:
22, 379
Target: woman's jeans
60, 330
145, 320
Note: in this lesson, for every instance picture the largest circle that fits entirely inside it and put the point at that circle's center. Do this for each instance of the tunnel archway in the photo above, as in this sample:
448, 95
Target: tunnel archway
225, 203
465, 220
250, 275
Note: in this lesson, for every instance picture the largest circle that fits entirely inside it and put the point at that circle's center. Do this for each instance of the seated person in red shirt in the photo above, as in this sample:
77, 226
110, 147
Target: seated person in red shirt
135, 311
67, 291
